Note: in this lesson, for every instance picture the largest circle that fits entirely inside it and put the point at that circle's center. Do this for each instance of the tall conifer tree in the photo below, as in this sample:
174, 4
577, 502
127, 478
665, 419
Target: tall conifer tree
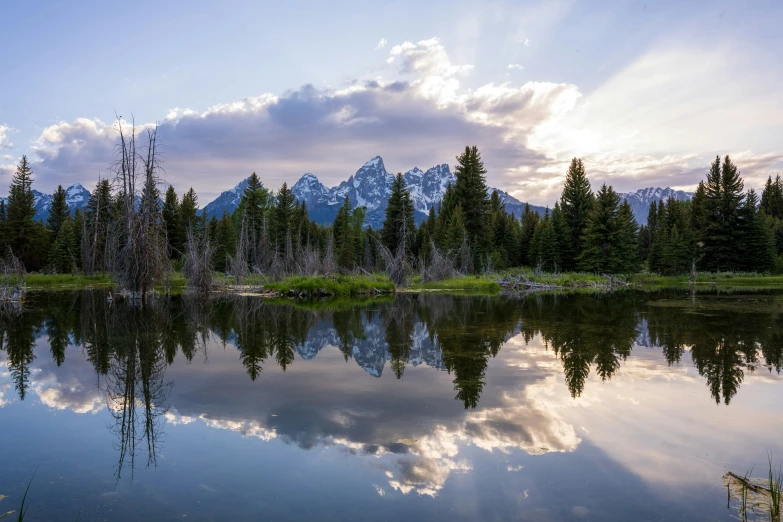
576, 202
399, 225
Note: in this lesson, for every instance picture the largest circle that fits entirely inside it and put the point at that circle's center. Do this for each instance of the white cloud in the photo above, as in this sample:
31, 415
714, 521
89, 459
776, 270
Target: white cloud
527, 42
515, 67
5, 141
658, 122
381, 44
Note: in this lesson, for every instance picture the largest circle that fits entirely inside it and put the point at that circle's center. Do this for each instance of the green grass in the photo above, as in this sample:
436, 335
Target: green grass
338, 285
43, 281
59, 281
775, 490
466, 284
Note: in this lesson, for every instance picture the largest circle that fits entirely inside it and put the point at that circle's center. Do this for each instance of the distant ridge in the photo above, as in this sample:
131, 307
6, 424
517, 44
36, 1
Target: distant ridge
641, 199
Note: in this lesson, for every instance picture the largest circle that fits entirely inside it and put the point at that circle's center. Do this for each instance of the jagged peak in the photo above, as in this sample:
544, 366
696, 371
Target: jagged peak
374, 162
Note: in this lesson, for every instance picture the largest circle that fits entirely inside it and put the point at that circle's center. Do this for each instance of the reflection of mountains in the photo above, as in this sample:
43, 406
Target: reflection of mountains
372, 352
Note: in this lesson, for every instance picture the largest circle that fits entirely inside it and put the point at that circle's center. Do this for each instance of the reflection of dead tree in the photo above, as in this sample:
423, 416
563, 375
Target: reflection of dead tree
136, 393
138, 247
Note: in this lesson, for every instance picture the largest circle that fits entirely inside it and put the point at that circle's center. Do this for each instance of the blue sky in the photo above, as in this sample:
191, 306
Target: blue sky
646, 92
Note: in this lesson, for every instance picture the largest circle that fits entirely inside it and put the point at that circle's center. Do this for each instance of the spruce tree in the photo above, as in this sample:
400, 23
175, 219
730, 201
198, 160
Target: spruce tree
601, 239
225, 242
772, 198
456, 233
58, 212
170, 214
723, 203
576, 202
755, 245
399, 227
283, 213
470, 191
188, 218
446, 207
22, 233
628, 240
344, 240
61, 254
530, 219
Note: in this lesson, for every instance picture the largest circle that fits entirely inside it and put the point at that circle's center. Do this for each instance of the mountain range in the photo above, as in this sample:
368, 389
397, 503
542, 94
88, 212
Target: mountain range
370, 186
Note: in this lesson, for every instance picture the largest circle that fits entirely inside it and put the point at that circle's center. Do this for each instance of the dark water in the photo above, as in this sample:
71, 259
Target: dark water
628, 406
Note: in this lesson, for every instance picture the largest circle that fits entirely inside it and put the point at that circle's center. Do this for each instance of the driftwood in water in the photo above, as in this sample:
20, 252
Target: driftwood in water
748, 484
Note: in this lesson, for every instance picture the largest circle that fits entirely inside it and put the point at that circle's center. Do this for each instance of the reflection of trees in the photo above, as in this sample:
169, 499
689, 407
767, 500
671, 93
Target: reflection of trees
129, 348
584, 331
263, 332
18, 338
137, 395
724, 339
469, 330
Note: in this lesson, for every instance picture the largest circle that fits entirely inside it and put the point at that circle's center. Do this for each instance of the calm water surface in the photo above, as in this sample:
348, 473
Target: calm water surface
627, 406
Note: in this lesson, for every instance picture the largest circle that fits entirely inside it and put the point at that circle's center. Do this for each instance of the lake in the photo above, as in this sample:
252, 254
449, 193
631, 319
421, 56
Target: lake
622, 406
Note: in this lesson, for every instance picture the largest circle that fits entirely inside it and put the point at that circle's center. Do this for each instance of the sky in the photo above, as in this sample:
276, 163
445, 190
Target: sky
647, 93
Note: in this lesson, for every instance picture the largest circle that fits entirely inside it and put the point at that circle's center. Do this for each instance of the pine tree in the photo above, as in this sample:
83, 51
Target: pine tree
723, 203
445, 209
772, 198
755, 245
576, 202
283, 212
470, 192
61, 255
58, 212
545, 249
188, 218
225, 242
171, 217
399, 227
22, 234
601, 239
628, 240
97, 220
456, 233
530, 219
344, 240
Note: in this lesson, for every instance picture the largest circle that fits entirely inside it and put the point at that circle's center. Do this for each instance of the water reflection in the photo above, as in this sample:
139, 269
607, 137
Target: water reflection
458, 335
274, 378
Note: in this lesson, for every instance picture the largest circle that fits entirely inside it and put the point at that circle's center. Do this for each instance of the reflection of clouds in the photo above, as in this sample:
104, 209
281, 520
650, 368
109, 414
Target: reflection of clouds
677, 437
5, 381
244, 428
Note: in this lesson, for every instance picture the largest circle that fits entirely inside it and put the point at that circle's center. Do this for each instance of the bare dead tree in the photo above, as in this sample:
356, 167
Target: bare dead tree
138, 246
441, 265
12, 280
197, 265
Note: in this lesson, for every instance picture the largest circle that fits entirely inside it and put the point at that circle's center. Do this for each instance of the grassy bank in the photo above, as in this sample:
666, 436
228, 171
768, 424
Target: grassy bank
332, 285
353, 285
467, 284
68, 281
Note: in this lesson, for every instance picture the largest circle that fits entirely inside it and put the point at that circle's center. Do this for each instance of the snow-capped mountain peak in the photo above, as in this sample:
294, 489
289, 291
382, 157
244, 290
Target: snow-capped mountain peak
641, 199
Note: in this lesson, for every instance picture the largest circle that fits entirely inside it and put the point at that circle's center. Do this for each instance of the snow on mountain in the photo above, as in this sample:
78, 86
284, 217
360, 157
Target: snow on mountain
370, 186
76, 196
228, 201
641, 199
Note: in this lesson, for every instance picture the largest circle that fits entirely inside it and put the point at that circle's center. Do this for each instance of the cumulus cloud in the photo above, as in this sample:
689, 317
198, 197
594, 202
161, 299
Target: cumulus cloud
421, 114
515, 67
381, 44
5, 141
